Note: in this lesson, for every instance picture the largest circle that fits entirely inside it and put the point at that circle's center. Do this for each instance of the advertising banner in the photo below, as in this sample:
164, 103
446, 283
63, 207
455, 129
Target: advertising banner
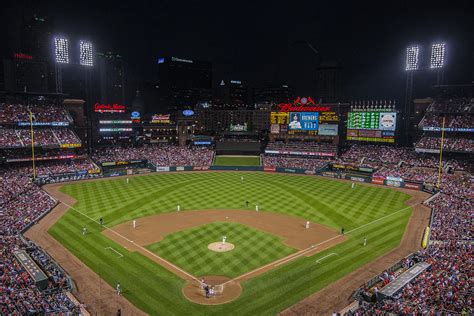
328, 129
275, 128
378, 180
70, 145
269, 169
162, 169
412, 186
43, 124
179, 168
393, 183
201, 168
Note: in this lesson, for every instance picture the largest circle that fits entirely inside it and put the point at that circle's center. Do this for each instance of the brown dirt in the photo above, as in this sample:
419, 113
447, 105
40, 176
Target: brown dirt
337, 295
97, 295
193, 291
153, 228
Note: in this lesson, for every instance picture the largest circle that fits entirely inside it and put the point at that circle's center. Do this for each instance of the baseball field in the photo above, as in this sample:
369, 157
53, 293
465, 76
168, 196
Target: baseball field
275, 260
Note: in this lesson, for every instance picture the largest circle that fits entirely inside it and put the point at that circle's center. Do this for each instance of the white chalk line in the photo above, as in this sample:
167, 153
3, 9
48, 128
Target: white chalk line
120, 255
329, 255
133, 243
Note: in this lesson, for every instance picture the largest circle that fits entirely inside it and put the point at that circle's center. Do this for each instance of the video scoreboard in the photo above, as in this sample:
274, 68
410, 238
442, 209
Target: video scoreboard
311, 123
372, 126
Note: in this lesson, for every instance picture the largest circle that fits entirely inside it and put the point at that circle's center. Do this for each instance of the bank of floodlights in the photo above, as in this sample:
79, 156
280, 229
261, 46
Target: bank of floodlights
412, 60
438, 51
61, 50
85, 53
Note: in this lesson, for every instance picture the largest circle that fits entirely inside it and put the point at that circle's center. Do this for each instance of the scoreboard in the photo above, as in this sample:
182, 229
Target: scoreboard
281, 118
309, 123
372, 126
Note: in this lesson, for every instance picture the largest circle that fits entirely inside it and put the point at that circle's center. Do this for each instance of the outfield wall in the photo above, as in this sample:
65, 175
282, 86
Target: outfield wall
121, 169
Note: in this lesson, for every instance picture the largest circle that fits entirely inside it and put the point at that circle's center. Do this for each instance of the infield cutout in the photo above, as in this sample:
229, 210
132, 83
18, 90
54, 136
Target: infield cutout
220, 247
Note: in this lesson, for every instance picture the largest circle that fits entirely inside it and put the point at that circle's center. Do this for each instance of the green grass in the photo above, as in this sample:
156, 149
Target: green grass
158, 291
188, 249
237, 161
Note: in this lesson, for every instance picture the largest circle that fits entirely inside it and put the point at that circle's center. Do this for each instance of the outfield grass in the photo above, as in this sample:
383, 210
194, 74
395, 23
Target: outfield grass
188, 249
158, 291
237, 161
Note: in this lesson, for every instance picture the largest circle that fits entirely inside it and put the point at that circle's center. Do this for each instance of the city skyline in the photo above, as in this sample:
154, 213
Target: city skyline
259, 43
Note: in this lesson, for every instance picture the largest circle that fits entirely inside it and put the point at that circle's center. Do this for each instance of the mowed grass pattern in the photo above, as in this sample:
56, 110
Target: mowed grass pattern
188, 249
237, 161
158, 291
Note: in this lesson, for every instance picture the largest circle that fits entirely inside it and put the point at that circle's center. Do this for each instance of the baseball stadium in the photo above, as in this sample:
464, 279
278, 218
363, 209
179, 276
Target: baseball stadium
191, 197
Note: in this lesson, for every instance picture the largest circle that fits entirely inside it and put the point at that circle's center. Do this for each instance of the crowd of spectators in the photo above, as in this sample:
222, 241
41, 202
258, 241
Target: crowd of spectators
446, 287
293, 162
12, 113
43, 137
381, 156
159, 155
9, 138
376, 156
449, 144
452, 121
454, 105
21, 204
302, 147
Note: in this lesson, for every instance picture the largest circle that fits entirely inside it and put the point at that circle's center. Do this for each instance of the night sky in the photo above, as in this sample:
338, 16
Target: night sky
255, 42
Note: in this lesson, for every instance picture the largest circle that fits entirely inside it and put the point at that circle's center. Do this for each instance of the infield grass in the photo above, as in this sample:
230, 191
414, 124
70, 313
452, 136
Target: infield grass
155, 290
188, 249
237, 161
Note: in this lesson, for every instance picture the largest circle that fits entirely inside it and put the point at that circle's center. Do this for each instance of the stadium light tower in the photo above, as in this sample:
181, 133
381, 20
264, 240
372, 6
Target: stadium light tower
86, 53
61, 50
412, 63
412, 58
437, 60
61, 56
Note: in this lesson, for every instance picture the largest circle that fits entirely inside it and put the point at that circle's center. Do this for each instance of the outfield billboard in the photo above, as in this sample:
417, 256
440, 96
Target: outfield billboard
328, 129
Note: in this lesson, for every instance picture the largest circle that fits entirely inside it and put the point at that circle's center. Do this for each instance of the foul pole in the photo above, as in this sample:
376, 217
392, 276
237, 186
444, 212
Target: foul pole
32, 146
441, 152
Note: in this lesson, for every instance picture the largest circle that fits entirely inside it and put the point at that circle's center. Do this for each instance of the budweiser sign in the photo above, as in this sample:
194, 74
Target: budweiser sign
111, 108
304, 104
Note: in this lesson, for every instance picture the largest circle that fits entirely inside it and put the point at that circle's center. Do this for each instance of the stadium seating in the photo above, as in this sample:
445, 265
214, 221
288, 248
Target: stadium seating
159, 155
445, 287
449, 144
302, 146
293, 162
13, 113
43, 137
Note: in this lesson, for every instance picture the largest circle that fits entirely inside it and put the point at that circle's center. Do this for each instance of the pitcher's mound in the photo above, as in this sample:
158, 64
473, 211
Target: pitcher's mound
230, 291
220, 247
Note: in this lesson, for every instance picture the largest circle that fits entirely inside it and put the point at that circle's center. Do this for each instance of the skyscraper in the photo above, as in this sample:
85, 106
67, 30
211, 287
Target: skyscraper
182, 83
111, 78
329, 81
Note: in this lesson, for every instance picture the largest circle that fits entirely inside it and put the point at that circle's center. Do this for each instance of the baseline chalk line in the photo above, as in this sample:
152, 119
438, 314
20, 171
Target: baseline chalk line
329, 255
